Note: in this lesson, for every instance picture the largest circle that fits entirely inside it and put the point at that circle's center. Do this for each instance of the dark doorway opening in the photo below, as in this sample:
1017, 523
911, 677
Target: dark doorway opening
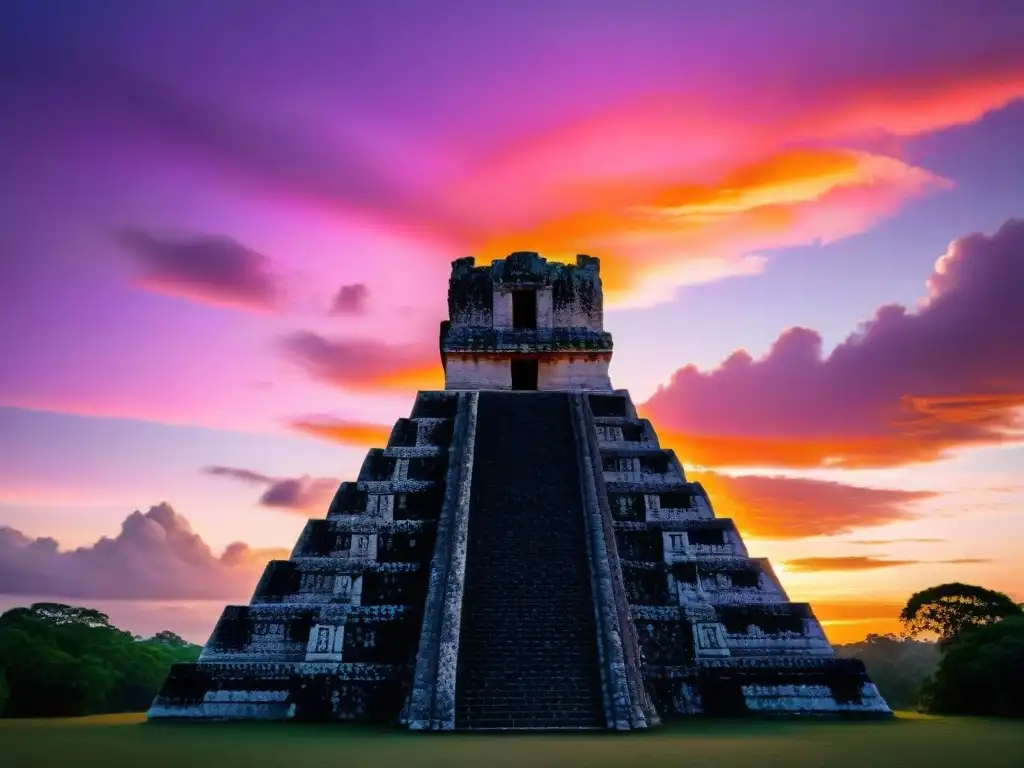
524, 374
723, 696
524, 309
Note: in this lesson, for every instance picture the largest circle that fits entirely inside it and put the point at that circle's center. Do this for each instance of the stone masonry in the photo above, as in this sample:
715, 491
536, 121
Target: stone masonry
521, 555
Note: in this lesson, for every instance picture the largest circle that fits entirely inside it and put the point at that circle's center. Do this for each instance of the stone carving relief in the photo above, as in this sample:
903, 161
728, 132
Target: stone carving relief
361, 546
314, 582
323, 639
710, 639
676, 546
269, 630
325, 643
343, 585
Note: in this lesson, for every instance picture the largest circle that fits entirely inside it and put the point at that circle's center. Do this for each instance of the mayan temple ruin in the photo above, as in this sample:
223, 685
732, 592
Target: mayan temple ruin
522, 555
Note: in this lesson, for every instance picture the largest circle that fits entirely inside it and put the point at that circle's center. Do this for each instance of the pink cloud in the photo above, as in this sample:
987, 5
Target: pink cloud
659, 122
909, 385
155, 556
604, 162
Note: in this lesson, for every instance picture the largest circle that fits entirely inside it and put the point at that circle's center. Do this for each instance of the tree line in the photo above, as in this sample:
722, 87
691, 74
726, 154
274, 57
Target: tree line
61, 661
974, 666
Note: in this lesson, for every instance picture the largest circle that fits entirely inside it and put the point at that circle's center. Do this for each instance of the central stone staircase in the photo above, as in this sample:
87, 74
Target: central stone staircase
528, 646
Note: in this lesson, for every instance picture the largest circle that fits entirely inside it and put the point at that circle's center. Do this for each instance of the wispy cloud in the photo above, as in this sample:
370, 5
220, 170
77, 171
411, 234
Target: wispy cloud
355, 433
672, 185
867, 563
299, 494
362, 364
208, 268
883, 542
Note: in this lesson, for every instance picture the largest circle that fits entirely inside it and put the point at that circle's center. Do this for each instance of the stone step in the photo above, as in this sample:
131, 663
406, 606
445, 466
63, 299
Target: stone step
538, 704
527, 649
485, 685
529, 724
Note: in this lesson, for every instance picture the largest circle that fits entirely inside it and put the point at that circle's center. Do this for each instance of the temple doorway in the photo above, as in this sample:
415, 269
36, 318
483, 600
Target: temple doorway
524, 374
524, 309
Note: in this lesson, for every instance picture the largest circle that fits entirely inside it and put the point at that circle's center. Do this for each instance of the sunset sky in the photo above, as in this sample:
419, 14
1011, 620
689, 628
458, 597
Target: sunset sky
226, 230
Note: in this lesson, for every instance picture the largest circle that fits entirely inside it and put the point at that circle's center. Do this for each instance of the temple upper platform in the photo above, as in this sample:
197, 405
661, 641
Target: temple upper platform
524, 323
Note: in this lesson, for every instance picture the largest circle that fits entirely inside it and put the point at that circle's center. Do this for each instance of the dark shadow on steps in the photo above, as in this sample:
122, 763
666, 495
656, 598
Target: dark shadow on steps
528, 645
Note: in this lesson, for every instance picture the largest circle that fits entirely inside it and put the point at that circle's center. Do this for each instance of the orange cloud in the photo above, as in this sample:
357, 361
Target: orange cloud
856, 610
663, 232
365, 364
928, 437
866, 563
851, 563
661, 186
359, 434
790, 508
850, 621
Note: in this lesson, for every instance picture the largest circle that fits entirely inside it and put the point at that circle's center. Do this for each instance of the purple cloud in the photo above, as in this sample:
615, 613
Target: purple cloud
208, 268
245, 475
299, 493
350, 300
908, 386
65, 79
293, 493
156, 556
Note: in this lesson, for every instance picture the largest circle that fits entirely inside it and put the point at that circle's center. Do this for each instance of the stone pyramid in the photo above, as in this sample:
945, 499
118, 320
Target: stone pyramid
522, 555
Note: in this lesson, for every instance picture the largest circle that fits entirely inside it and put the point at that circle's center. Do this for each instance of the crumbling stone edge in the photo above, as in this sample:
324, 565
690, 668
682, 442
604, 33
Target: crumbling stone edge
622, 711
432, 699
643, 708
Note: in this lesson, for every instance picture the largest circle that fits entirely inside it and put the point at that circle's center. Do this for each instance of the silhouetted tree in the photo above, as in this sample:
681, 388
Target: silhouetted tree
168, 638
60, 614
981, 672
949, 609
4, 689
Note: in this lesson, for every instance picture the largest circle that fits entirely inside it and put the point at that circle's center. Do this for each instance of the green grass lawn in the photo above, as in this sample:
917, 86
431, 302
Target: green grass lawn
126, 740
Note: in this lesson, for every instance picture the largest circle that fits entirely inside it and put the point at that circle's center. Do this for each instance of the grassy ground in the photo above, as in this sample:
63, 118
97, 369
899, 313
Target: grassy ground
126, 740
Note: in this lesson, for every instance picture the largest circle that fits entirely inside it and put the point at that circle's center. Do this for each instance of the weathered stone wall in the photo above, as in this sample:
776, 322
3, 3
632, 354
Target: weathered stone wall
628, 705
477, 372
432, 699
577, 296
502, 313
717, 632
568, 295
555, 372
332, 633
545, 308
565, 372
479, 340
470, 294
